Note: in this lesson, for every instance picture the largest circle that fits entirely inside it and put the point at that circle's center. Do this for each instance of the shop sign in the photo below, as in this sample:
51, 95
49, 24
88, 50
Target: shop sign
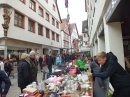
111, 8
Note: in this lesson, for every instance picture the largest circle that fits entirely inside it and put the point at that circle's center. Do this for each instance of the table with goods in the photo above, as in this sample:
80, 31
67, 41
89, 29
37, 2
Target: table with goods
62, 83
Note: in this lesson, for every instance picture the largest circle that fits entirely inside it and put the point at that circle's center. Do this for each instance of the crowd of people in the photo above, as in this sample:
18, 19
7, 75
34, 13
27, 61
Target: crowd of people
103, 65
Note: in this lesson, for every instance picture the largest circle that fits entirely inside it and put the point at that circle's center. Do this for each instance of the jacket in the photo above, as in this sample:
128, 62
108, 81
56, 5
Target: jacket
6, 80
33, 68
40, 59
80, 64
44, 58
50, 60
119, 78
7, 67
58, 59
67, 58
24, 74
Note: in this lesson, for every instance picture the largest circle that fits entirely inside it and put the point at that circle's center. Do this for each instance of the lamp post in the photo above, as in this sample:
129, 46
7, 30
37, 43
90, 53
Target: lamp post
6, 16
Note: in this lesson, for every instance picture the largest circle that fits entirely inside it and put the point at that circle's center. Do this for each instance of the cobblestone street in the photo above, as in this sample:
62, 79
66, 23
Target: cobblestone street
15, 90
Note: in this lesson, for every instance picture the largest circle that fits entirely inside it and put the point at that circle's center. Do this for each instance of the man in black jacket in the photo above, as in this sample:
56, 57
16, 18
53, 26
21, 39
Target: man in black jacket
50, 62
40, 62
119, 78
6, 80
24, 72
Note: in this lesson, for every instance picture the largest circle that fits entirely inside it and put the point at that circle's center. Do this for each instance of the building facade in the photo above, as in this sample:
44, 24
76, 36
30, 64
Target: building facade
109, 26
65, 36
34, 25
74, 36
86, 46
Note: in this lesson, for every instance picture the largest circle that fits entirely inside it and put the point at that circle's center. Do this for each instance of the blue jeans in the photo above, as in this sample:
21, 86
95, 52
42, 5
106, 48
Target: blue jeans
50, 68
58, 64
63, 61
40, 65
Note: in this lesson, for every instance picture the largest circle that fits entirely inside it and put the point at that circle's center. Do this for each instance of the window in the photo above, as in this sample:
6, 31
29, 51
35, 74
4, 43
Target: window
57, 24
57, 37
46, 1
47, 17
32, 5
94, 12
18, 21
53, 7
53, 35
40, 12
31, 25
22, 1
47, 33
40, 30
53, 21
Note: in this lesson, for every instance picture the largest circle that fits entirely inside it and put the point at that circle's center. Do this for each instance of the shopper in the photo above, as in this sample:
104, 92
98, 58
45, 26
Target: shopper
12, 68
81, 64
67, 58
33, 65
7, 67
58, 60
50, 62
24, 73
119, 78
4, 78
40, 63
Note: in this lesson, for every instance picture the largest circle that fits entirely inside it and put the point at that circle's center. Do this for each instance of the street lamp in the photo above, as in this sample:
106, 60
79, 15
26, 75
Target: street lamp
6, 16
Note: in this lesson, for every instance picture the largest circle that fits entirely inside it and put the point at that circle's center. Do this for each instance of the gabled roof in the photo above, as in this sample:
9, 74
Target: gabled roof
58, 10
62, 25
72, 27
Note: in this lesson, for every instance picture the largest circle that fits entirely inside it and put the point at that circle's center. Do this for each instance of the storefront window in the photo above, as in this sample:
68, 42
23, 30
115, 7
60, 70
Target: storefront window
15, 53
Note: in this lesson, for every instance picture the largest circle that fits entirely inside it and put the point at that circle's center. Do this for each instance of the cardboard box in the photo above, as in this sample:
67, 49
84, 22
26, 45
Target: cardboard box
30, 90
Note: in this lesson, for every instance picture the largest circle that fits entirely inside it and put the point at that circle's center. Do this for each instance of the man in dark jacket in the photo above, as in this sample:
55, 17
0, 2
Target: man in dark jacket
6, 80
33, 65
24, 74
50, 62
119, 78
40, 62
7, 67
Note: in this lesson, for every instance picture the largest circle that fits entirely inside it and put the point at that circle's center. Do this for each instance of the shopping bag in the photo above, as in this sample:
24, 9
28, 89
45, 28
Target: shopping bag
53, 69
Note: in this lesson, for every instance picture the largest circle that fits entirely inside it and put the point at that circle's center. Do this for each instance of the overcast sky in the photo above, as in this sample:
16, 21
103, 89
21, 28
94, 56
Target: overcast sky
76, 10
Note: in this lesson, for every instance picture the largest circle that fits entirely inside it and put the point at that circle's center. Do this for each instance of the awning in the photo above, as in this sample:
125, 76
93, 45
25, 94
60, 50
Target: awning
4, 5
117, 10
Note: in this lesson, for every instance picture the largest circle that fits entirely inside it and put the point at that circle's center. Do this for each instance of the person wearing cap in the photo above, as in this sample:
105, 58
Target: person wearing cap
24, 74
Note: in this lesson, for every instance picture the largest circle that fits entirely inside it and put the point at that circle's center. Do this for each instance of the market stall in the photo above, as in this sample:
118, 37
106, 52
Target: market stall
62, 84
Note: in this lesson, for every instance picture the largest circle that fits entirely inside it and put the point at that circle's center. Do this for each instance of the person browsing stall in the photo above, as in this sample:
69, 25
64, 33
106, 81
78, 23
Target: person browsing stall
119, 78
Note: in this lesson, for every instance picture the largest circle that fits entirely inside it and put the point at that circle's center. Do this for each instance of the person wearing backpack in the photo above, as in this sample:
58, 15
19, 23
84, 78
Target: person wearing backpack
7, 67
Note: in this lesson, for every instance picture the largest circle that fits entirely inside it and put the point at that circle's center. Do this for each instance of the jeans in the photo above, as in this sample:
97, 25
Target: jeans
36, 81
50, 68
63, 61
3, 85
40, 65
58, 64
